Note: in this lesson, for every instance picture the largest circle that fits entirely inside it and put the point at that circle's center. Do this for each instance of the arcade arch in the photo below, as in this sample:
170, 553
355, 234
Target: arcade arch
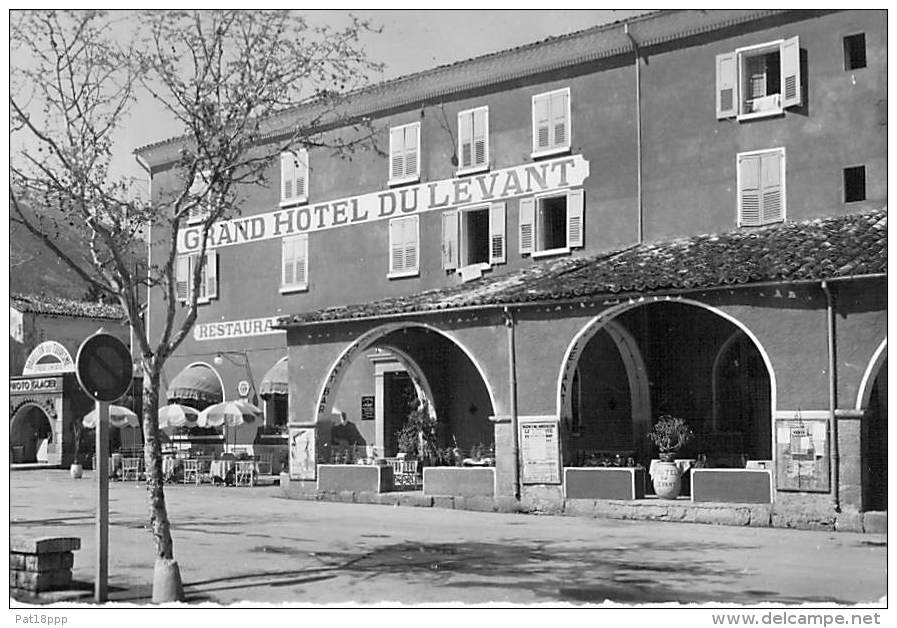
30, 433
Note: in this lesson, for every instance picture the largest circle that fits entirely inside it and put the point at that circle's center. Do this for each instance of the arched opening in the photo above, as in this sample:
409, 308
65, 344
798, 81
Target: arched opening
30, 433
644, 359
875, 443
400, 365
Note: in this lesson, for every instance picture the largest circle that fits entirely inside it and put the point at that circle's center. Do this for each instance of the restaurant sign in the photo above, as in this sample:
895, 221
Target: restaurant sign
534, 178
49, 357
35, 385
236, 329
540, 450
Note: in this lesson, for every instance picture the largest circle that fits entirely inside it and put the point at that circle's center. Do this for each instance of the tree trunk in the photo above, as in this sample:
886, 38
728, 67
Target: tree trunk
152, 453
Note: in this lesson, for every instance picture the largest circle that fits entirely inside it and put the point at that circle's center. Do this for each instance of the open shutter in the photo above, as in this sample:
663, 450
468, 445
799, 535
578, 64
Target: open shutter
560, 124
480, 137
396, 153
541, 124
749, 191
497, 238
182, 278
575, 207
791, 87
211, 275
527, 224
450, 239
726, 85
465, 139
772, 201
300, 260
287, 176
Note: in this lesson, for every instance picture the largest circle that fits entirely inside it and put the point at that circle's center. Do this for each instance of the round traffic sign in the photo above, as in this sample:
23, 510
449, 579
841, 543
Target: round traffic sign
104, 367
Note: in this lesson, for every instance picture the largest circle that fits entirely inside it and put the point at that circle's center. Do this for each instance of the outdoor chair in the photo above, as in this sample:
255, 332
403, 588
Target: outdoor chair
404, 473
244, 473
130, 467
192, 472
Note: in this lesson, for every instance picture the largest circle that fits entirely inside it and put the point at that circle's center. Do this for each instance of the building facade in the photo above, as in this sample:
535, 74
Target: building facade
531, 258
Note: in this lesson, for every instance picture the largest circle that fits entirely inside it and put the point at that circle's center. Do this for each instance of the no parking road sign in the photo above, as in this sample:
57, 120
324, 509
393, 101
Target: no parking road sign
104, 367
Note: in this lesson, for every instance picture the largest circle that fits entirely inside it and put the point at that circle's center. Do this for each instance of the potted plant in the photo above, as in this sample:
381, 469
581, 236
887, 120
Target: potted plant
670, 434
76, 470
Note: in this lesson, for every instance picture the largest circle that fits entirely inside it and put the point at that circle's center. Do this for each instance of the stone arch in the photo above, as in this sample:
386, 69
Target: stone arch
215, 372
421, 385
872, 370
28, 417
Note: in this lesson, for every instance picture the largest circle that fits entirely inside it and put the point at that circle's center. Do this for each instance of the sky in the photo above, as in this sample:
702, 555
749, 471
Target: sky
410, 41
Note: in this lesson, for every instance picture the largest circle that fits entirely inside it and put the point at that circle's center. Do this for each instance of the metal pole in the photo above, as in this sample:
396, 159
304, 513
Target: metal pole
512, 381
832, 394
102, 529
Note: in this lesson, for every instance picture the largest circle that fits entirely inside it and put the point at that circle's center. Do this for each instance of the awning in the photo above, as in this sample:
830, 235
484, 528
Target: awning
196, 382
276, 381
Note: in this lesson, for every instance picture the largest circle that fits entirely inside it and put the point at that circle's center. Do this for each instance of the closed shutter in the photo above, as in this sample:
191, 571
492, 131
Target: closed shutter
450, 239
411, 156
396, 153
199, 197
301, 173
772, 201
749, 191
560, 125
288, 263
480, 137
403, 239
791, 80
541, 124
182, 278
575, 211
211, 275
527, 223
287, 176
301, 259
497, 239
726, 85
465, 139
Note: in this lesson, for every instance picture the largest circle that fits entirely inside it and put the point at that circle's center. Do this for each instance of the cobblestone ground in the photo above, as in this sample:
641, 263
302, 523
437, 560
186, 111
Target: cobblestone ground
247, 544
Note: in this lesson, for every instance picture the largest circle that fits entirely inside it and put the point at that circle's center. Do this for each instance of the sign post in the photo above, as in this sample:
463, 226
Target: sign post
104, 369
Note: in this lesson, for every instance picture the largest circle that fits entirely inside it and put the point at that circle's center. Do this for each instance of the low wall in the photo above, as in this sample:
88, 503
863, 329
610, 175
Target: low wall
460, 481
604, 482
736, 486
354, 477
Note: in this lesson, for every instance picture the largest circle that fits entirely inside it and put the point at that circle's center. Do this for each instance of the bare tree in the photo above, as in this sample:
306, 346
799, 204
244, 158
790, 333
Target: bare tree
244, 85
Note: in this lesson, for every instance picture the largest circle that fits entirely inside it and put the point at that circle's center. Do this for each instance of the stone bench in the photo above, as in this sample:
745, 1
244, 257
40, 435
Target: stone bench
41, 564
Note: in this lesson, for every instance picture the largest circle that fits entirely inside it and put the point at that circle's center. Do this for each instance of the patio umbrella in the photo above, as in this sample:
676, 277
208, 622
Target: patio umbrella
119, 416
177, 415
229, 414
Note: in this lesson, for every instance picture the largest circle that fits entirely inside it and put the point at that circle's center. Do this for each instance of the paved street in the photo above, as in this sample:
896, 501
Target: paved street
237, 544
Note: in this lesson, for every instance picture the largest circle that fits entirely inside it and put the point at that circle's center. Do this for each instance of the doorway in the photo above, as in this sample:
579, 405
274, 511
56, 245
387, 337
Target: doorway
875, 445
399, 399
30, 435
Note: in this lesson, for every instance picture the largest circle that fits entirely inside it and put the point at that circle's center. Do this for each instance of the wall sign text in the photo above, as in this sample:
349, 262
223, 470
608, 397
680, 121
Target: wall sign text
236, 329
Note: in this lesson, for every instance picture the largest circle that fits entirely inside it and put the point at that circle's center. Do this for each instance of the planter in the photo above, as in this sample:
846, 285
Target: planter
460, 481
667, 479
604, 482
76, 471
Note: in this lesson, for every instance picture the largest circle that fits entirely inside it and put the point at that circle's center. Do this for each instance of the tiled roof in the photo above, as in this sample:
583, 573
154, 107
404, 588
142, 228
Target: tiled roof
57, 306
829, 248
552, 54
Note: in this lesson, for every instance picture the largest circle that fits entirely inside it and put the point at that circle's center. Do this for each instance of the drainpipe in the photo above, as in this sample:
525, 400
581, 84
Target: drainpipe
512, 381
832, 395
638, 130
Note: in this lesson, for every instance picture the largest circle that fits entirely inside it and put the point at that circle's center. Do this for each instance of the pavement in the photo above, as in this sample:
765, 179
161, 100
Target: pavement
240, 544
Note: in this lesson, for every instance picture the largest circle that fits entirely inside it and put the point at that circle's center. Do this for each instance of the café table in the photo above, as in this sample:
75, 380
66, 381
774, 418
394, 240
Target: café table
220, 468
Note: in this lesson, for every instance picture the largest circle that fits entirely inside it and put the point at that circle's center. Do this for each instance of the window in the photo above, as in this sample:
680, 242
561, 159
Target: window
854, 184
855, 52
404, 244
473, 236
208, 283
758, 80
294, 263
551, 122
473, 140
404, 151
293, 177
200, 198
761, 187
551, 223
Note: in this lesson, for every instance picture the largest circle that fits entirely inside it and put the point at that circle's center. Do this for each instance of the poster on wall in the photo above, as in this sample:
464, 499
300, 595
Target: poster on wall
540, 451
368, 408
302, 453
802, 462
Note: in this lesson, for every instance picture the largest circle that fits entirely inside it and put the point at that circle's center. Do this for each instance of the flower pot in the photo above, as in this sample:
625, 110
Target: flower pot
76, 471
666, 479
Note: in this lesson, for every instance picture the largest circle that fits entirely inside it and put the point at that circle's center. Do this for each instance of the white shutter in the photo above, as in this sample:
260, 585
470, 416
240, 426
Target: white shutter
791, 81
288, 267
211, 275
749, 191
772, 200
497, 239
301, 173
726, 85
465, 139
481, 137
396, 245
411, 156
287, 176
412, 238
396, 153
560, 124
527, 224
541, 123
301, 259
182, 278
450, 239
575, 212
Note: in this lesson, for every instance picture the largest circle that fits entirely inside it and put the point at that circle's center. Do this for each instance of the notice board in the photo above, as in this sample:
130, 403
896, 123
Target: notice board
802, 455
368, 408
540, 451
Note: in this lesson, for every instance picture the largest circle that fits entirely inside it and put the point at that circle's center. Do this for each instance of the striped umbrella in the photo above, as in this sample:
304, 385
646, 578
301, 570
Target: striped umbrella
119, 416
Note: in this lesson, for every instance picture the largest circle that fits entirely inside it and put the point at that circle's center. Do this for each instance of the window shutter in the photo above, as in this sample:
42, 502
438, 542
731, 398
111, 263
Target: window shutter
412, 236
396, 153
396, 245
300, 249
465, 139
497, 238
527, 222
301, 173
749, 191
559, 122
450, 239
791, 87
211, 275
182, 278
287, 262
287, 175
541, 123
480, 137
771, 182
575, 211
726, 85
411, 150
